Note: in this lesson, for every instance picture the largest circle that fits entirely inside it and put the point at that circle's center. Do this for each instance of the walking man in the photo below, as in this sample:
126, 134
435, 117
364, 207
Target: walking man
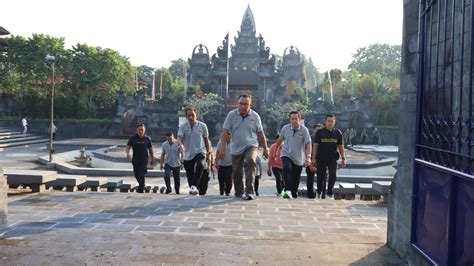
194, 136
141, 145
246, 128
327, 149
172, 158
295, 154
24, 123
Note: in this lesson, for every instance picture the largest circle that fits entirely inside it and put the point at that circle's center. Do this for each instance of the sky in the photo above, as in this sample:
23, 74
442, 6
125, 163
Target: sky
156, 32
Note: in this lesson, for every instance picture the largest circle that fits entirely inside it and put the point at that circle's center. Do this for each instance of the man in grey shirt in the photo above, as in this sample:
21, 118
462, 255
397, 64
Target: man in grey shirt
171, 157
245, 126
194, 136
295, 154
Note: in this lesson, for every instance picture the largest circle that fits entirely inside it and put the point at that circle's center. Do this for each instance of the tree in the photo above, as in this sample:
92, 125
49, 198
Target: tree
280, 112
384, 59
177, 68
205, 104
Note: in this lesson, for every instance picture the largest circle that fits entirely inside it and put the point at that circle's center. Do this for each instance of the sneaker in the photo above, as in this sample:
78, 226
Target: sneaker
278, 194
193, 190
256, 193
286, 195
168, 191
247, 197
318, 196
227, 194
330, 197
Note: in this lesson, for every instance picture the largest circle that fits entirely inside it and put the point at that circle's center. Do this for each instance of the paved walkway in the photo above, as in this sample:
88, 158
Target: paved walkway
119, 228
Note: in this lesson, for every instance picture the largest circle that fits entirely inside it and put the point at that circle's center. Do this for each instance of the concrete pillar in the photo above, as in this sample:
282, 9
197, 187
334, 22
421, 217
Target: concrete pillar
3, 199
399, 200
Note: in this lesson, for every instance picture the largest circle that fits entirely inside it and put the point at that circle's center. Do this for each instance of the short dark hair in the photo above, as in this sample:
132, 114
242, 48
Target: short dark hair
141, 125
245, 96
169, 134
330, 115
295, 112
190, 108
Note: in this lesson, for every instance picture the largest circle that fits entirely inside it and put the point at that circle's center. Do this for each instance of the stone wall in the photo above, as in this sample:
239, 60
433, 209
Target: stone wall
400, 200
3, 199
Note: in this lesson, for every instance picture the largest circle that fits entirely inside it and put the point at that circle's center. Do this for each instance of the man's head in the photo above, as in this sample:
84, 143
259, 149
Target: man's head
245, 102
295, 118
191, 115
330, 121
170, 137
141, 130
317, 127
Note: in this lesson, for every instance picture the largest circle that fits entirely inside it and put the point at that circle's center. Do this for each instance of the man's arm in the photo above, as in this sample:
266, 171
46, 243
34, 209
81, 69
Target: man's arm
315, 152
269, 165
223, 147
162, 158
127, 152
263, 142
307, 152
343, 155
152, 156
277, 147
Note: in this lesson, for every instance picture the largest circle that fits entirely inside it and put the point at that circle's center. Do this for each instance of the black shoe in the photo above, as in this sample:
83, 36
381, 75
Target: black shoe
168, 191
256, 193
227, 194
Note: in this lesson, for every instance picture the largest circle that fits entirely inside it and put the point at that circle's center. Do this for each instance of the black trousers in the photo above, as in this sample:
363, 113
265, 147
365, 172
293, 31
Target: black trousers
256, 184
139, 169
203, 182
331, 165
310, 183
291, 175
224, 174
194, 169
278, 173
175, 170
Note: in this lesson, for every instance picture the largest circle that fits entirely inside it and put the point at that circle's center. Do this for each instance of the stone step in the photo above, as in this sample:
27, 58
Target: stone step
14, 136
19, 139
366, 192
33, 178
10, 133
29, 142
93, 183
112, 185
70, 182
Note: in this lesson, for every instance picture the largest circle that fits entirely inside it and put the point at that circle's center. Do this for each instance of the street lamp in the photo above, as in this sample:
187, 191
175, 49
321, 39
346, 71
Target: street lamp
51, 60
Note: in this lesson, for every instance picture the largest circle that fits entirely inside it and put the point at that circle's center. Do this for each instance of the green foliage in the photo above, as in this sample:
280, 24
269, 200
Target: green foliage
379, 58
86, 78
281, 112
177, 68
204, 104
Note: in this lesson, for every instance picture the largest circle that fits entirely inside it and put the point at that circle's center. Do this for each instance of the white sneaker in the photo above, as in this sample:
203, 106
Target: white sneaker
286, 195
193, 190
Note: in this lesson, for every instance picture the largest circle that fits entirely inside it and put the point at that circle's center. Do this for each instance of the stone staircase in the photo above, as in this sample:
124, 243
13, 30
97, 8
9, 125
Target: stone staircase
11, 138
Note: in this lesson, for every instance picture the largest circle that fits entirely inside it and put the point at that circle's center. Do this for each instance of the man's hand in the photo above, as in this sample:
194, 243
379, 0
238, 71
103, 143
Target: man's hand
269, 172
161, 167
343, 163
129, 157
222, 151
265, 153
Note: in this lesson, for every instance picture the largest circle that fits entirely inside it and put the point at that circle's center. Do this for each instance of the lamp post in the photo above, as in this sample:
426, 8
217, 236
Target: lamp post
51, 60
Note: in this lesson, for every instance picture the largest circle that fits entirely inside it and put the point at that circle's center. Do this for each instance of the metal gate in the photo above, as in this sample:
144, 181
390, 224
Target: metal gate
443, 186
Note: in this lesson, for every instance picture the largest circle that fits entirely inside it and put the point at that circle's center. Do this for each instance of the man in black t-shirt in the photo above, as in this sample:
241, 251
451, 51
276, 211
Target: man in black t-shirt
327, 149
141, 145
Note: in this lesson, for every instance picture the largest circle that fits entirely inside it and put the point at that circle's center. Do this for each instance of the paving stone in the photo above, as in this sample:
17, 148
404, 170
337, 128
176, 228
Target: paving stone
244, 233
119, 228
200, 230
158, 229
